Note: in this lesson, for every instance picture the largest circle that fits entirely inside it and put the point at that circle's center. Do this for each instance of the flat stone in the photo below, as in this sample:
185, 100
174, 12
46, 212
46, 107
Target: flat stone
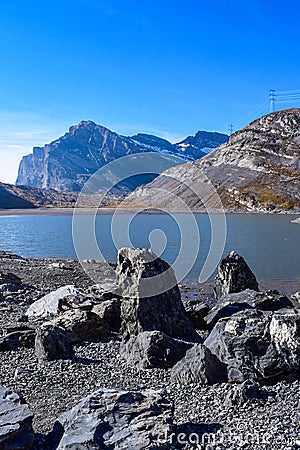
16, 431
115, 418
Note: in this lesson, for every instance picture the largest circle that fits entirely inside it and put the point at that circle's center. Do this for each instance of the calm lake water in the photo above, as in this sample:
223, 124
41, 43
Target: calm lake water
270, 244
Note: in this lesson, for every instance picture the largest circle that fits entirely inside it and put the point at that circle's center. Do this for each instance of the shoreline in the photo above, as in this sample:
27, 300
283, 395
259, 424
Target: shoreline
113, 210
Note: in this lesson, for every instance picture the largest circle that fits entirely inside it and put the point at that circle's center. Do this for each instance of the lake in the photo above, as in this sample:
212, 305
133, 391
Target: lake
269, 243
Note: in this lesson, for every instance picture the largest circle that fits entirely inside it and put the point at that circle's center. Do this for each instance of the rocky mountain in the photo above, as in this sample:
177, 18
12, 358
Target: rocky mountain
203, 142
257, 170
25, 197
68, 162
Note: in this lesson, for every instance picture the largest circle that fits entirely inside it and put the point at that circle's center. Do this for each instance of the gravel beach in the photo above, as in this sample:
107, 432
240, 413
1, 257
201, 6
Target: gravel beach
200, 410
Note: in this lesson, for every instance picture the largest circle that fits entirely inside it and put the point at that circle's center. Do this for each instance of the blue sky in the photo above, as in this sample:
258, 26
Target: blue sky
168, 67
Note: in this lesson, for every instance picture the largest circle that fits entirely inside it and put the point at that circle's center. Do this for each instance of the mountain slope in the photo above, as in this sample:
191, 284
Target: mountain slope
25, 197
257, 170
68, 162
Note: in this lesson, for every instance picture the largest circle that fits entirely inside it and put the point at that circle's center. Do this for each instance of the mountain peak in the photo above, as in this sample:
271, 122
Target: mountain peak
68, 162
87, 125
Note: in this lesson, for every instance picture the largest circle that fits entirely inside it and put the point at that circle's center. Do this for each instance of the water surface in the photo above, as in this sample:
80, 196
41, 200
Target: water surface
269, 243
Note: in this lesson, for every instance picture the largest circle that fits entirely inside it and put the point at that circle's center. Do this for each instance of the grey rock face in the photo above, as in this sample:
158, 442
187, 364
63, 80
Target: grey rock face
16, 431
52, 343
257, 345
153, 349
199, 365
232, 303
151, 297
234, 275
115, 418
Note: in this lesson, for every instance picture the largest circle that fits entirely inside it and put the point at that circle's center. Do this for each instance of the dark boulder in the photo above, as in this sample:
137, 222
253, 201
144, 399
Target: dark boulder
10, 279
199, 366
16, 431
151, 297
257, 345
85, 324
234, 275
17, 339
52, 343
153, 349
116, 419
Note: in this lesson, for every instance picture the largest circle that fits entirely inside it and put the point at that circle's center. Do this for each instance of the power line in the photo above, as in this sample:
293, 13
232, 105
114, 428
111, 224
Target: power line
266, 104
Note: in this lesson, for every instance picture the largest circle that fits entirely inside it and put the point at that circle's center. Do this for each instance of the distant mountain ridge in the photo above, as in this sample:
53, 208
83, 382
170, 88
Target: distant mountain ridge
258, 169
25, 197
68, 162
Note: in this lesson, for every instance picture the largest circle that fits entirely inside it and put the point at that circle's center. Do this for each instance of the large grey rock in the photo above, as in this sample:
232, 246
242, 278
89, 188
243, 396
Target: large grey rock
85, 324
234, 275
52, 343
199, 366
153, 349
151, 297
55, 302
116, 419
109, 312
257, 345
16, 431
232, 303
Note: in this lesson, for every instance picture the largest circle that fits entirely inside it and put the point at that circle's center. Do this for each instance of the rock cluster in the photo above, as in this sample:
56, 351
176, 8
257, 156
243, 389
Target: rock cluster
239, 344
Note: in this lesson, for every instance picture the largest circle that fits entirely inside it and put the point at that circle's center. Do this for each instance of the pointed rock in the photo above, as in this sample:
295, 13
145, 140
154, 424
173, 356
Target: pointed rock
151, 297
234, 275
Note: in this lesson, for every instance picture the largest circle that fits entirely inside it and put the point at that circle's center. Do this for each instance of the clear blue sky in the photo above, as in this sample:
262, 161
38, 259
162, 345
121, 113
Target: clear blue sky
167, 67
